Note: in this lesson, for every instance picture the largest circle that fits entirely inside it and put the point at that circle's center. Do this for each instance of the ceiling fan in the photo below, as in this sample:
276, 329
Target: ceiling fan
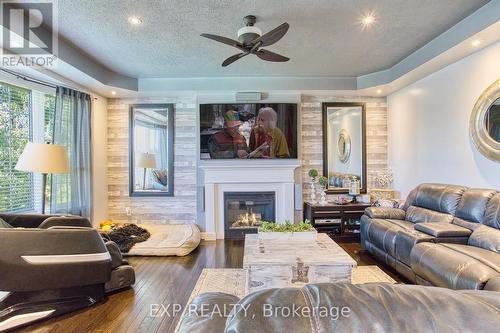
250, 40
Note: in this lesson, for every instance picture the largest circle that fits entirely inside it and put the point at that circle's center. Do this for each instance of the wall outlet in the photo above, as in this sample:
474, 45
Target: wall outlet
128, 211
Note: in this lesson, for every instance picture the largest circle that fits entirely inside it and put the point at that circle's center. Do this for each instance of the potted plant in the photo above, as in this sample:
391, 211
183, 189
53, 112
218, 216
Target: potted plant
323, 182
287, 231
313, 174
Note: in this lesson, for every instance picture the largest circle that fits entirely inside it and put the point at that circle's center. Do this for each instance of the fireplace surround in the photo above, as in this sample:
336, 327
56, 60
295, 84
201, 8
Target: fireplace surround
276, 176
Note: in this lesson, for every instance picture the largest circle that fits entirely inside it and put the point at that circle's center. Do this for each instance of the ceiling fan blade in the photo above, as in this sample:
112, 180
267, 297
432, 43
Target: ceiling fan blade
272, 36
233, 58
271, 56
225, 40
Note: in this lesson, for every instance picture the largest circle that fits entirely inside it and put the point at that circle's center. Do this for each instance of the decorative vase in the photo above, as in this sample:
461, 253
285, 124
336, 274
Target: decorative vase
312, 190
322, 200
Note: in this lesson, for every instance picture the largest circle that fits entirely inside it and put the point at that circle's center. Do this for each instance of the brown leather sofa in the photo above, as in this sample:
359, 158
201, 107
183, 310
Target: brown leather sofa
445, 235
342, 307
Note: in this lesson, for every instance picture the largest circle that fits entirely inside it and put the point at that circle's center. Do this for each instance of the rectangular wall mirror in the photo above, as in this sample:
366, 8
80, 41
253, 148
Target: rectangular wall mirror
344, 145
151, 146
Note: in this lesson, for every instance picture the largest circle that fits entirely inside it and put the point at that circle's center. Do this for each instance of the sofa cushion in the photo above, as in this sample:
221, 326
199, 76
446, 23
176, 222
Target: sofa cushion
417, 215
465, 224
438, 197
454, 266
443, 229
486, 238
473, 203
492, 214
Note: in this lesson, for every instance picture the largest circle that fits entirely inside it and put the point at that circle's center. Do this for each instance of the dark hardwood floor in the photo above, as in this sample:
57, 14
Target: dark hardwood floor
163, 280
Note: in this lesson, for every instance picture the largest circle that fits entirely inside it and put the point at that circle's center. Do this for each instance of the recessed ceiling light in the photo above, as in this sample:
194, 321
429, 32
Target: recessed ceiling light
475, 42
379, 91
134, 20
368, 19
113, 93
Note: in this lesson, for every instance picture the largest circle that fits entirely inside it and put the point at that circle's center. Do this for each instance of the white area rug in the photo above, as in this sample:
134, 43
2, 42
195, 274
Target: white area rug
233, 280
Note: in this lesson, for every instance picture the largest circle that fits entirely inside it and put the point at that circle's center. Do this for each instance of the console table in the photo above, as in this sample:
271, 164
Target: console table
341, 222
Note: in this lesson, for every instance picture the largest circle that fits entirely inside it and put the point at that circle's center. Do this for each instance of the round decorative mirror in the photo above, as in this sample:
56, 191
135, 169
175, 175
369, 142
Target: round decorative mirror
485, 122
344, 145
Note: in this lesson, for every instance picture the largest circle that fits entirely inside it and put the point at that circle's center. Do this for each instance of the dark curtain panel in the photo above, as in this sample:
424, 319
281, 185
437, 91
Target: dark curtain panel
72, 193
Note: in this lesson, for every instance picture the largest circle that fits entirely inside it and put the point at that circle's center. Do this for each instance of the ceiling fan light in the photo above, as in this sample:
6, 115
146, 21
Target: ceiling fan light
249, 30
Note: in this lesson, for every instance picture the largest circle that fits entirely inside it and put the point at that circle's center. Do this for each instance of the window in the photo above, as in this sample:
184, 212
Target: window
25, 115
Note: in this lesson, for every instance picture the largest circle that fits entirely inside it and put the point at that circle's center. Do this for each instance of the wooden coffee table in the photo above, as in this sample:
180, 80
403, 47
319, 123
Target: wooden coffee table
278, 264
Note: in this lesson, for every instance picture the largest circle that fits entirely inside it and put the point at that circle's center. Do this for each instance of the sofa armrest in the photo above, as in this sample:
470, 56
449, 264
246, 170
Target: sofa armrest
442, 229
385, 213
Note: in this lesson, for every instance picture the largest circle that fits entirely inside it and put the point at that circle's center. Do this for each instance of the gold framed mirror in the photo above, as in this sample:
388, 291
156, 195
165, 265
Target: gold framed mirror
485, 123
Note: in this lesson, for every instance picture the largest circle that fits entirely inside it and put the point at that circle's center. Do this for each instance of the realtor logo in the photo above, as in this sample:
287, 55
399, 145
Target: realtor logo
29, 35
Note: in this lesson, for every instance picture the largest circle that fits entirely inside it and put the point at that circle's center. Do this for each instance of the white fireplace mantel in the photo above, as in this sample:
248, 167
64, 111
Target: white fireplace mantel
277, 176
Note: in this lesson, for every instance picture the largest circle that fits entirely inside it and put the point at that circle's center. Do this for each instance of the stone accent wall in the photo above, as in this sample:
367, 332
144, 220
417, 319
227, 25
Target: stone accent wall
312, 135
181, 208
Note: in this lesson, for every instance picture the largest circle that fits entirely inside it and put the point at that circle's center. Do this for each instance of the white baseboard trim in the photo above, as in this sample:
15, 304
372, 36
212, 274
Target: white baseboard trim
208, 236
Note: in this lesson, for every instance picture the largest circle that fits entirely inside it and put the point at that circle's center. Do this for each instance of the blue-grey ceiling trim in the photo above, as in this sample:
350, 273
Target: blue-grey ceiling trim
479, 20
248, 83
78, 59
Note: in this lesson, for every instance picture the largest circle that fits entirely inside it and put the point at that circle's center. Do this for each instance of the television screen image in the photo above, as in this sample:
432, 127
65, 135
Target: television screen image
248, 131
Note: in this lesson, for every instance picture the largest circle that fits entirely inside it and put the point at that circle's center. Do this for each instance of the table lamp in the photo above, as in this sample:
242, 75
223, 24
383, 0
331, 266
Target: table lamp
146, 161
43, 158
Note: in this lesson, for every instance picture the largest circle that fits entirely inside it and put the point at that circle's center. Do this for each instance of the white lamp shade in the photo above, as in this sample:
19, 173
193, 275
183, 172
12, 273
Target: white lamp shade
43, 158
146, 160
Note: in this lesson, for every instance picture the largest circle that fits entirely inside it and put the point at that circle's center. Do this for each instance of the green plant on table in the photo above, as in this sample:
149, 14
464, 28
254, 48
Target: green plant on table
286, 227
313, 173
323, 181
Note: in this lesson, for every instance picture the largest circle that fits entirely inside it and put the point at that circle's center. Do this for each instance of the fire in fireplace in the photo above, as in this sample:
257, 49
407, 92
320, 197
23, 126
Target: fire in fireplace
244, 212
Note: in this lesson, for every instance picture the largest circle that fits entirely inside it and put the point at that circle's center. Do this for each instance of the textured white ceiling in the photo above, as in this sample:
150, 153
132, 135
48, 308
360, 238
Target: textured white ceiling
325, 37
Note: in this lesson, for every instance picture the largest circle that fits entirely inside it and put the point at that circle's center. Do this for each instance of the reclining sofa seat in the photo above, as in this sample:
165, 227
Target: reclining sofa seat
50, 265
436, 223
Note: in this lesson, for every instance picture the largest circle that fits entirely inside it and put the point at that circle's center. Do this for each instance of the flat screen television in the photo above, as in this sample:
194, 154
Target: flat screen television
248, 131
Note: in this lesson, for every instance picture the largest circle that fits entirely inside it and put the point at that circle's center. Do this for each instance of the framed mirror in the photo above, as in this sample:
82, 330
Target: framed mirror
344, 146
151, 147
485, 123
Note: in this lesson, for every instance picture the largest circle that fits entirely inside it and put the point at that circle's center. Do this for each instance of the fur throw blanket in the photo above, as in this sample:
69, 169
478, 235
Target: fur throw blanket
127, 236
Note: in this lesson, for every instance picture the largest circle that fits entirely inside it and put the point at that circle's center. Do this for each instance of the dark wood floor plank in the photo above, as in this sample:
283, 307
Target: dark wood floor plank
163, 280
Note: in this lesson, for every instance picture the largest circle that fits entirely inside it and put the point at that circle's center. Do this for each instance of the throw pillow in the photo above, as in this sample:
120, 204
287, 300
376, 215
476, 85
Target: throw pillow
387, 203
4, 224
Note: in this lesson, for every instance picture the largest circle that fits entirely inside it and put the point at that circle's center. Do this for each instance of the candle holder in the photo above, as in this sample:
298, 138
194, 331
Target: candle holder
354, 190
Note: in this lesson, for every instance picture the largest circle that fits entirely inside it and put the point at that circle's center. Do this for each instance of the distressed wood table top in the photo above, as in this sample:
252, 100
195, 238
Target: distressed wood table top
323, 251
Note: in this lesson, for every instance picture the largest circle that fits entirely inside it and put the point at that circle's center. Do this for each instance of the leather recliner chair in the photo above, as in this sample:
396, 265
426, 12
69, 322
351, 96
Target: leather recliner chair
51, 265
445, 235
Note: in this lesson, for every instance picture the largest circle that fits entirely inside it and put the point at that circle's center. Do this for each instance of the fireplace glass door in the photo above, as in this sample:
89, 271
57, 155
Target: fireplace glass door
244, 212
